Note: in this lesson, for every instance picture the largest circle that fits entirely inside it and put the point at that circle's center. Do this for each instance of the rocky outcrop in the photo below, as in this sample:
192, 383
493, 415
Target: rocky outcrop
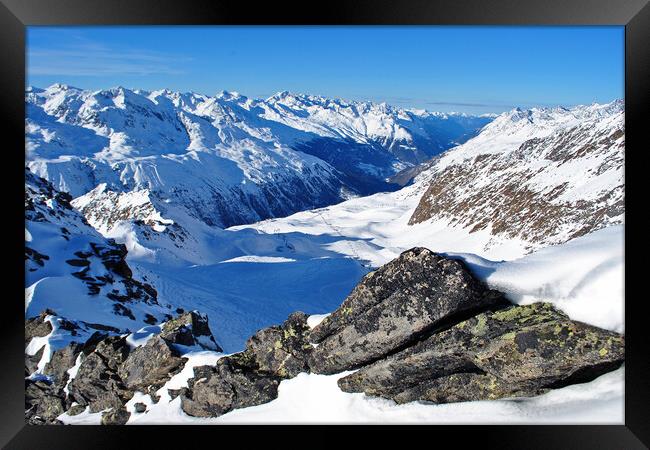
109, 370
37, 326
421, 328
517, 352
43, 403
151, 364
251, 377
190, 329
98, 384
396, 305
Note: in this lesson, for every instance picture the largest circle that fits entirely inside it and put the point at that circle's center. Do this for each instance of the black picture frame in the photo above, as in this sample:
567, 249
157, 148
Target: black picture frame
15, 15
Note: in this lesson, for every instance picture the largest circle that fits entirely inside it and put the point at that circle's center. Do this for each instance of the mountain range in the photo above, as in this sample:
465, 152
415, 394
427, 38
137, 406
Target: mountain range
141, 206
229, 159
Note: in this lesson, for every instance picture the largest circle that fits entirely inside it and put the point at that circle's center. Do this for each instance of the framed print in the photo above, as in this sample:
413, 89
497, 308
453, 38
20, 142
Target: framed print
382, 214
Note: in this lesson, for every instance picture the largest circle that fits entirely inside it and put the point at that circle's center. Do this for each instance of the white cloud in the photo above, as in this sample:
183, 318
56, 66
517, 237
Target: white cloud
89, 59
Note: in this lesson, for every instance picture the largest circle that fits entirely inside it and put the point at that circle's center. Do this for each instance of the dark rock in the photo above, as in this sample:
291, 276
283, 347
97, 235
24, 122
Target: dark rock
101, 327
43, 402
31, 361
78, 262
190, 329
38, 258
173, 393
61, 361
91, 343
151, 364
38, 326
97, 382
75, 410
391, 308
149, 319
140, 407
282, 351
232, 383
250, 377
516, 352
116, 416
120, 309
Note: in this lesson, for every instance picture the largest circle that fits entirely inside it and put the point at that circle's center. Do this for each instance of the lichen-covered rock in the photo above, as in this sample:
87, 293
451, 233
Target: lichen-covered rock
43, 402
396, 305
516, 352
190, 329
151, 364
97, 382
250, 377
282, 350
116, 416
233, 382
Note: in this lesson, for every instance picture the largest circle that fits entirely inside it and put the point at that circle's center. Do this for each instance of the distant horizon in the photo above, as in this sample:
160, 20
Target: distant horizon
336, 98
462, 69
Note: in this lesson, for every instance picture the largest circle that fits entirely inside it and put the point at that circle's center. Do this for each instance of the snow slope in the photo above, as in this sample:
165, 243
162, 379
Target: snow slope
76, 272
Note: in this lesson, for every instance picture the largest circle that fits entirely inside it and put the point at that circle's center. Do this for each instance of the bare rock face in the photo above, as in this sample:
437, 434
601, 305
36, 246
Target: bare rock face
282, 350
517, 352
234, 382
396, 305
525, 191
250, 377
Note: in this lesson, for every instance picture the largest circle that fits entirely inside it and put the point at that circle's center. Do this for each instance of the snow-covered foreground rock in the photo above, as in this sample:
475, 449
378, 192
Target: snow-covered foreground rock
311, 398
317, 398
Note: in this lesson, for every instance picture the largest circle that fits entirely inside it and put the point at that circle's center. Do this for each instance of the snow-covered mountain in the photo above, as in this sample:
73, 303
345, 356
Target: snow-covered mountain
529, 179
72, 269
542, 176
228, 159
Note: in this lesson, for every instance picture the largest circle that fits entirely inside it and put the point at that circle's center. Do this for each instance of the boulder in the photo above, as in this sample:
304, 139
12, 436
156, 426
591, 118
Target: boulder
61, 361
190, 329
116, 416
250, 377
282, 350
43, 402
151, 364
97, 382
140, 407
391, 308
520, 351
233, 382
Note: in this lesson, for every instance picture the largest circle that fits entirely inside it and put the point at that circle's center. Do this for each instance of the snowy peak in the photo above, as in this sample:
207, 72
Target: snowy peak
227, 159
541, 176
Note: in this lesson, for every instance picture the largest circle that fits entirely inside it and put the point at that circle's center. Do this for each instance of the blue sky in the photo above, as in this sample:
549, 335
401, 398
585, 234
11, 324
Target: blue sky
439, 68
